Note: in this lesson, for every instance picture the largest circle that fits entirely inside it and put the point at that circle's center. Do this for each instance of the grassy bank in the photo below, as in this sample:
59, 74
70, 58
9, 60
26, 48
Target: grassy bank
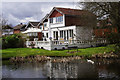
13, 52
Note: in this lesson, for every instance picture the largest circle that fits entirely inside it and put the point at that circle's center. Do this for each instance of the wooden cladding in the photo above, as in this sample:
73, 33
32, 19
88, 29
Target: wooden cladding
84, 20
55, 14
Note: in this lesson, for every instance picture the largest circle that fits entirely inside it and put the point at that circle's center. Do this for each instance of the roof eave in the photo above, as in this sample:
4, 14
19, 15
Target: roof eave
53, 10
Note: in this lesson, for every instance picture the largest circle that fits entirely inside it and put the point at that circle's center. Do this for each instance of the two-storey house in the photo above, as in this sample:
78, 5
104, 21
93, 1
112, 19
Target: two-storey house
64, 25
69, 24
33, 31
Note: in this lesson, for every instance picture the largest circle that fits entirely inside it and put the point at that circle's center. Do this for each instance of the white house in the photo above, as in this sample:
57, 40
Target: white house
7, 30
64, 27
67, 24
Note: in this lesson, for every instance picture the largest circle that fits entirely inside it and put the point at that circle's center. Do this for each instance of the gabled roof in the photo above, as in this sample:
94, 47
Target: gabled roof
31, 30
7, 27
43, 19
33, 24
19, 26
69, 11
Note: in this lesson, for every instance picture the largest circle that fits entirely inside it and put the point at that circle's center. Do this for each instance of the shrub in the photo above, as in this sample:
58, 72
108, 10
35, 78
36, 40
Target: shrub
114, 38
13, 41
0, 43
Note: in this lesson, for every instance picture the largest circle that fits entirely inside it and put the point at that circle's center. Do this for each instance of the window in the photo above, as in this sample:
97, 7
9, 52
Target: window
59, 19
51, 20
42, 34
61, 34
36, 34
67, 35
47, 35
71, 33
45, 25
54, 34
56, 19
64, 35
40, 27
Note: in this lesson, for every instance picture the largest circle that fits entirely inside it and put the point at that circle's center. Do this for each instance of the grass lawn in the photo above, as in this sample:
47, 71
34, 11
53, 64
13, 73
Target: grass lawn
12, 52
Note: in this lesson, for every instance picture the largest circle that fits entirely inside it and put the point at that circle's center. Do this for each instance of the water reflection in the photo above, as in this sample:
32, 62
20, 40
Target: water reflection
108, 68
24, 70
74, 69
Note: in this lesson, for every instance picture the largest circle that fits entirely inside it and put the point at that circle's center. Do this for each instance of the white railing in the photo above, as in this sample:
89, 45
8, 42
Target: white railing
62, 42
37, 43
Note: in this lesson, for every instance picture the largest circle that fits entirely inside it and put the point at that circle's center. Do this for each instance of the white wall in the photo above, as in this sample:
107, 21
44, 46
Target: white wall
53, 25
46, 35
7, 31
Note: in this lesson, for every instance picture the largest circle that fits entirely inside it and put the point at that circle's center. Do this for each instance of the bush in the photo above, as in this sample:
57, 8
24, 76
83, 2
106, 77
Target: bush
0, 43
13, 41
114, 38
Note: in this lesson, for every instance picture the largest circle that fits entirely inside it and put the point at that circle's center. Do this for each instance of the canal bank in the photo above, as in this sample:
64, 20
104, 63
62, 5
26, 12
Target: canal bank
38, 58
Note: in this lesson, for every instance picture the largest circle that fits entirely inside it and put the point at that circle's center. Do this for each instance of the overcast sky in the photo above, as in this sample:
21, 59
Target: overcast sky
22, 12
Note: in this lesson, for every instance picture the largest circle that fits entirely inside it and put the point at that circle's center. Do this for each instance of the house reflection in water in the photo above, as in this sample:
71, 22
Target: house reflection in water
74, 69
71, 70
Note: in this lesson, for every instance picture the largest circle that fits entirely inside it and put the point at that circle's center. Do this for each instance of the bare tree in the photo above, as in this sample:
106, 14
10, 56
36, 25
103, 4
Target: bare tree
4, 26
104, 10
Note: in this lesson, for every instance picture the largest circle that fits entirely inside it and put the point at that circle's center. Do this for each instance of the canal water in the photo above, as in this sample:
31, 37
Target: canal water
101, 68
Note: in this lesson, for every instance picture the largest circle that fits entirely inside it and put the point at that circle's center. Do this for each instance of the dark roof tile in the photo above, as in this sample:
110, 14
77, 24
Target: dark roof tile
69, 11
19, 26
7, 27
